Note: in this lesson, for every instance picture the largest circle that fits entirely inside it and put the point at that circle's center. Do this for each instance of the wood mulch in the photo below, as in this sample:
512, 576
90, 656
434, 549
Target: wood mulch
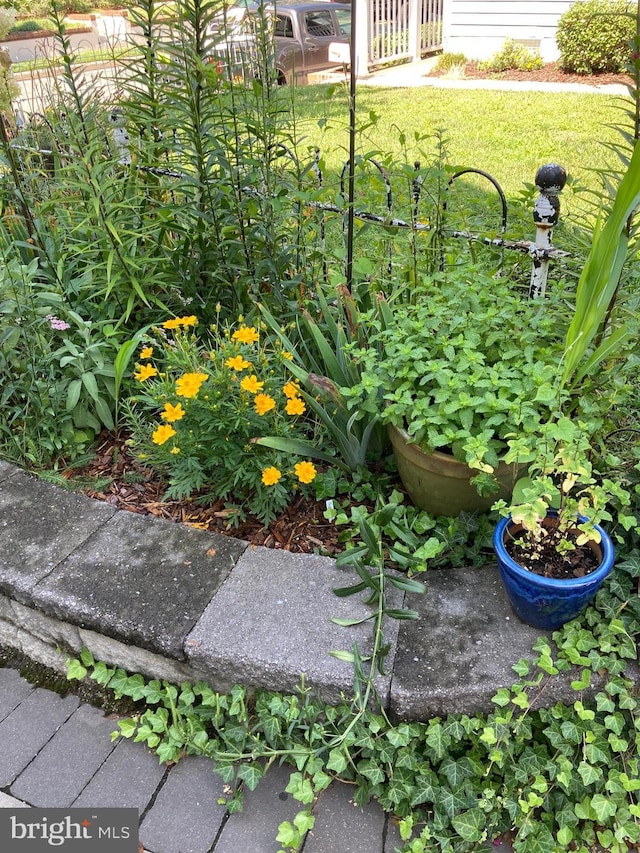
549, 73
118, 478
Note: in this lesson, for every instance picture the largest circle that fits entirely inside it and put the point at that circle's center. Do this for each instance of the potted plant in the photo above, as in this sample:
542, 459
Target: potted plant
552, 552
452, 376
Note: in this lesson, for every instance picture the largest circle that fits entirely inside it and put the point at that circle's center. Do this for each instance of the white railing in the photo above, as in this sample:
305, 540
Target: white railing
402, 29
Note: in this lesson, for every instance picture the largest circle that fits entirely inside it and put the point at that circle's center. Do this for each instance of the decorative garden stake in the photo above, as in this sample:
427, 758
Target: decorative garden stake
550, 180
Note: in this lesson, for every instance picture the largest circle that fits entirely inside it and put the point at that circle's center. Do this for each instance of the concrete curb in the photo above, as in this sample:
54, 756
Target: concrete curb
173, 602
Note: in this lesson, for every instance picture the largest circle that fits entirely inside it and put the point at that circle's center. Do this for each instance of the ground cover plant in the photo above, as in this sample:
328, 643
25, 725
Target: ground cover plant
173, 274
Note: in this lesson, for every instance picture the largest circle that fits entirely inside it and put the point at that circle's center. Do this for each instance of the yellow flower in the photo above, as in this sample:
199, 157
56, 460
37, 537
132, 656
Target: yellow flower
264, 403
189, 384
245, 335
291, 389
295, 406
172, 413
251, 384
305, 471
162, 434
270, 476
172, 324
147, 352
237, 362
175, 450
287, 355
146, 371
176, 322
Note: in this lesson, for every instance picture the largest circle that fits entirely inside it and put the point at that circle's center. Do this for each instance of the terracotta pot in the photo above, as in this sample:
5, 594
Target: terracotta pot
440, 484
549, 602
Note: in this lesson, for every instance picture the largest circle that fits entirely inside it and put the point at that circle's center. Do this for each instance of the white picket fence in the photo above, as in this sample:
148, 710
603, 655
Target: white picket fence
403, 29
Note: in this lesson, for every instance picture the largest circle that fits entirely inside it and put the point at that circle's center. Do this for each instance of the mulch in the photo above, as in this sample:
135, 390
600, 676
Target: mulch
549, 73
132, 486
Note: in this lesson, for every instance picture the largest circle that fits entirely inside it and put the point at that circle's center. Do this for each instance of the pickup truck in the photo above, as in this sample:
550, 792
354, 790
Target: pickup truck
303, 33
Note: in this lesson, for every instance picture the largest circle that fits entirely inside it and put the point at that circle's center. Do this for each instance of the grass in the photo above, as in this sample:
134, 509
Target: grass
508, 134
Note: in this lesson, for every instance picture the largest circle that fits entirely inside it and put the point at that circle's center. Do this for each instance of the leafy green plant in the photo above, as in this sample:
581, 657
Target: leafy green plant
559, 777
209, 401
561, 479
448, 61
412, 539
512, 55
594, 35
322, 363
464, 367
598, 286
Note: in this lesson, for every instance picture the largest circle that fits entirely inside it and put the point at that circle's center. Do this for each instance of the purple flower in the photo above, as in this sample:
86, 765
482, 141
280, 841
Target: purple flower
55, 323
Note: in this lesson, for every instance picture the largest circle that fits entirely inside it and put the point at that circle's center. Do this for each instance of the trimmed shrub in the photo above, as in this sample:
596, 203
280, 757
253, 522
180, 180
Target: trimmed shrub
594, 36
447, 61
512, 55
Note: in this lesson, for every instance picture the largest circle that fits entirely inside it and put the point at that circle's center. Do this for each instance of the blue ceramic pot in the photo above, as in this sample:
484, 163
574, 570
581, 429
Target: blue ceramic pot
546, 602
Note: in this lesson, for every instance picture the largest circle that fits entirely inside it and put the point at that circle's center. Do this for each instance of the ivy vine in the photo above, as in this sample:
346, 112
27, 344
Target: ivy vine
560, 778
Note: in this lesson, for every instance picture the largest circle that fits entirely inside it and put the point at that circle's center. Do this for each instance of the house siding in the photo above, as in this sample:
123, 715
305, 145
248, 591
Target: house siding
478, 28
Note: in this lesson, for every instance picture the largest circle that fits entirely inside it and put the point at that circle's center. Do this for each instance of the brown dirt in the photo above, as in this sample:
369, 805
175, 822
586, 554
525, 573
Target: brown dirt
132, 486
549, 73
543, 558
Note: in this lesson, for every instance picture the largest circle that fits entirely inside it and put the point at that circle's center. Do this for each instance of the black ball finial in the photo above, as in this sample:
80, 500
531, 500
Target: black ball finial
550, 179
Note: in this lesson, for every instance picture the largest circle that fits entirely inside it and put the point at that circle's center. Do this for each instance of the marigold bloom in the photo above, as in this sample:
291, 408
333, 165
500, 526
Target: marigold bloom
237, 362
146, 371
270, 476
189, 384
295, 406
147, 352
245, 335
171, 324
264, 403
305, 471
287, 355
291, 390
172, 413
251, 384
162, 434
176, 322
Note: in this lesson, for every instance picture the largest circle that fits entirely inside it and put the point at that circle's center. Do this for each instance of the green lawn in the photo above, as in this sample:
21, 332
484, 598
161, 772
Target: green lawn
508, 134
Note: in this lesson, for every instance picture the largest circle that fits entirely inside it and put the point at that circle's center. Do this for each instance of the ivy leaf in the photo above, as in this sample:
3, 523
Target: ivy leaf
371, 769
250, 774
589, 774
452, 802
604, 807
75, 670
127, 727
469, 825
337, 761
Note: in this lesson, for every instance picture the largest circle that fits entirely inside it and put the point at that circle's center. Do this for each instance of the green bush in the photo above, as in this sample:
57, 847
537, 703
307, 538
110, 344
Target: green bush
32, 25
512, 56
447, 61
594, 36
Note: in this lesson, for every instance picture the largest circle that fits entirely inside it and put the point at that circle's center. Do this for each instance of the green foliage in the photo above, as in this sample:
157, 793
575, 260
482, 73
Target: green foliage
559, 777
463, 368
512, 56
594, 36
448, 61
321, 362
412, 539
598, 285
203, 404
58, 366
32, 25
561, 478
